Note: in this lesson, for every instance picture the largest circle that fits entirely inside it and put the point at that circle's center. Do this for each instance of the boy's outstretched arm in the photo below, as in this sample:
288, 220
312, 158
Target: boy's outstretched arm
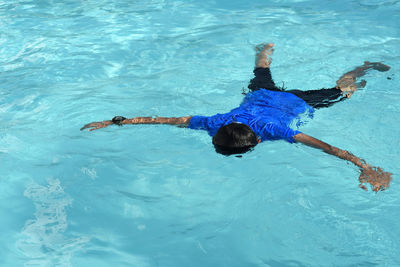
378, 178
118, 120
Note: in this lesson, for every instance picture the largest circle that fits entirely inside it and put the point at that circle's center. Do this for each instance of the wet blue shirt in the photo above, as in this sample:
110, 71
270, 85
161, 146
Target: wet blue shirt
270, 114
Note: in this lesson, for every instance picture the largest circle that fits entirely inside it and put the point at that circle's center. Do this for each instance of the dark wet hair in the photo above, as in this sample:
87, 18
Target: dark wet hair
234, 138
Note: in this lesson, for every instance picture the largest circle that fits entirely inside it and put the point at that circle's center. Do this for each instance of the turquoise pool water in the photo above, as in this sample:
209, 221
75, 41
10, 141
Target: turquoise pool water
160, 195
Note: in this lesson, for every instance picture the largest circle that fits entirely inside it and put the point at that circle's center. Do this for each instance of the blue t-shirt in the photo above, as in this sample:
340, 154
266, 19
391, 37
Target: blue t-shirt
270, 114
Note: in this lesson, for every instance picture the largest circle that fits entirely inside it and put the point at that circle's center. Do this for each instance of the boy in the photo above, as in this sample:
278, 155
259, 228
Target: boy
266, 114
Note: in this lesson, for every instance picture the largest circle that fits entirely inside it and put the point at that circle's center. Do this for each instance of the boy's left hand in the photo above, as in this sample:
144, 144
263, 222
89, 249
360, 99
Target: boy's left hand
376, 177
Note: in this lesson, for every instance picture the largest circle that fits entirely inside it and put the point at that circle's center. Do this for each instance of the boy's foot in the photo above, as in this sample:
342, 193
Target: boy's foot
264, 51
347, 83
377, 66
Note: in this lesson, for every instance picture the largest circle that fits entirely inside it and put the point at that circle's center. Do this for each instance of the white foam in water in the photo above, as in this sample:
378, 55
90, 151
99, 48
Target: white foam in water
43, 241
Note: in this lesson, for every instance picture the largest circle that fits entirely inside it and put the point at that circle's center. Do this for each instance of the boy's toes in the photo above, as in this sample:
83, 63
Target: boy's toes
380, 67
377, 66
264, 47
259, 47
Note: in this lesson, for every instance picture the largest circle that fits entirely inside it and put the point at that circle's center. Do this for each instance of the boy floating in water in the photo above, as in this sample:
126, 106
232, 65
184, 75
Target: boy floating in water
267, 112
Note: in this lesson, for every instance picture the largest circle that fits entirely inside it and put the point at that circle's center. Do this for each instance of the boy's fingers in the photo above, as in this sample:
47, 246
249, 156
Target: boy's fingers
90, 125
98, 127
85, 127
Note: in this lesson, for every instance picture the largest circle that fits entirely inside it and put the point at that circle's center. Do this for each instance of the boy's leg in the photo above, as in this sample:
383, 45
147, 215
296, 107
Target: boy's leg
263, 56
320, 98
262, 74
347, 83
345, 87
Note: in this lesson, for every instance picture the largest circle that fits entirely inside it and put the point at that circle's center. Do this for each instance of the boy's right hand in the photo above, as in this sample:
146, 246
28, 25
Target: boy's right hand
96, 125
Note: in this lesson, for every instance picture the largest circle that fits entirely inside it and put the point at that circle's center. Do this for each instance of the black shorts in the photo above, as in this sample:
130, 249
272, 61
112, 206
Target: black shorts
315, 98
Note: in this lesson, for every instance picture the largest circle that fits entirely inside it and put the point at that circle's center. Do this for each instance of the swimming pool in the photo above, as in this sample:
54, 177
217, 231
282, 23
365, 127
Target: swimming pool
160, 195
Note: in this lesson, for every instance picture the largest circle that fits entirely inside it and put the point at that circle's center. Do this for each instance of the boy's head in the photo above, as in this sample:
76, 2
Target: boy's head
234, 138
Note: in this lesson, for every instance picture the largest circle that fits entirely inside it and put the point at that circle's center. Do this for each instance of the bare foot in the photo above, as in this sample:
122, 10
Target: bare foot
347, 83
264, 51
377, 66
